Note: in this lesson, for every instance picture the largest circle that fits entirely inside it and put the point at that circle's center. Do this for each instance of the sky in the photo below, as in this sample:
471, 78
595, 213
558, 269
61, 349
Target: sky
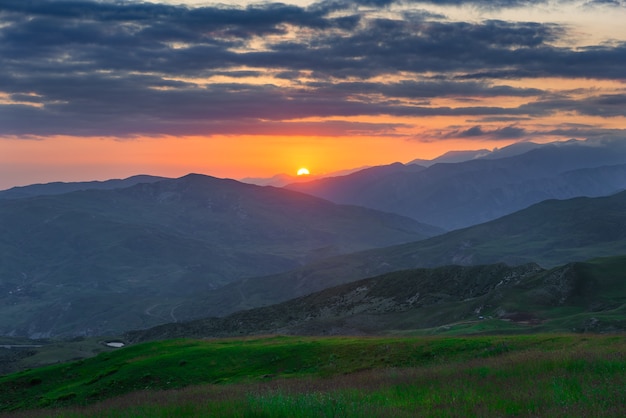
93, 90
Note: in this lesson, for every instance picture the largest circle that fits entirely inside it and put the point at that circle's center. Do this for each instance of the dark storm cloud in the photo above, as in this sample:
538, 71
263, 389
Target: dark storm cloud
607, 105
516, 132
495, 4
484, 3
505, 133
384, 45
585, 132
616, 3
426, 89
182, 22
127, 68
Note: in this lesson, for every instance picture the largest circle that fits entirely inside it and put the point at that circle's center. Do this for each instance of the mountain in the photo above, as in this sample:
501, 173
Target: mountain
61, 187
457, 195
453, 157
279, 180
359, 185
100, 261
517, 149
461, 156
550, 233
579, 297
283, 179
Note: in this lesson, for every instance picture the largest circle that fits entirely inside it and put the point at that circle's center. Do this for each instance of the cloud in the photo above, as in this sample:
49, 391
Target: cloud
507, 132
484, 3
490, 4
128, 68
606, 105
518, 133
426, 89
615, 3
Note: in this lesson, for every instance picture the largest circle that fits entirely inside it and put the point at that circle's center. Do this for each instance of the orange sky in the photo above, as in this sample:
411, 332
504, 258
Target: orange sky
78, 159
238, 92
71, 158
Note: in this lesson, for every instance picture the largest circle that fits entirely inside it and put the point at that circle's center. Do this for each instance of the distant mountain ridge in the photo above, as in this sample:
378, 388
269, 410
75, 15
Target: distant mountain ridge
58, 187
283, 179
462, 156
101, 261
457, 195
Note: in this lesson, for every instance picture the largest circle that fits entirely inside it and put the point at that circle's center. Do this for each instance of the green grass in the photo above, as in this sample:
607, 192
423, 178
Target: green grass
531, 375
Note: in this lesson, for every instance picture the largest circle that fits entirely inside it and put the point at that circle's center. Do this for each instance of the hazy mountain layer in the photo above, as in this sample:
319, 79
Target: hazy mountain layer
457, 195
102, 261
550, 233
62, 187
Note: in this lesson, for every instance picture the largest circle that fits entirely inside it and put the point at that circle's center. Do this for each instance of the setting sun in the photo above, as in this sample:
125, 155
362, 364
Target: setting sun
303, 172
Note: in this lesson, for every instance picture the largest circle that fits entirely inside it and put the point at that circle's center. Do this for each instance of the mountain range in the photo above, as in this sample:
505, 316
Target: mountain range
45, 189
100, 261
484, 187
516, 148
550, 233
98, 258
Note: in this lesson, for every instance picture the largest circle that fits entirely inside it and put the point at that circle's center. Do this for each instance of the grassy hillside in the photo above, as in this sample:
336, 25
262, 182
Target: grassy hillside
18, 354
576, 297
370, 306
103, 261
539, 375
452, 300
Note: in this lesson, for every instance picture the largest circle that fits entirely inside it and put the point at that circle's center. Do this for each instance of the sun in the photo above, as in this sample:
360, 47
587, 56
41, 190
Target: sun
303, 172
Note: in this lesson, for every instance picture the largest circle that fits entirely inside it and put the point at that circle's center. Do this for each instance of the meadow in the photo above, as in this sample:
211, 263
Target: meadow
277, 376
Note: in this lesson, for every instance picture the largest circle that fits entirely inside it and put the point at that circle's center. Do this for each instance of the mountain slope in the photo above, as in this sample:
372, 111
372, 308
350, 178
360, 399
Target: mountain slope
392, 292
458, 195
549, 233
101, 261
575, 297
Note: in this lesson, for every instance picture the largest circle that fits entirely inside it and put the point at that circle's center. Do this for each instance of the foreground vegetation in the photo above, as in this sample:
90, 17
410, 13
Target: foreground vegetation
547, 375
